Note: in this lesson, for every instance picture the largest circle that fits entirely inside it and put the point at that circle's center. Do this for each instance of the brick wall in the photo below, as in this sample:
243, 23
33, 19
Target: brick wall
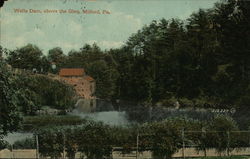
83, 87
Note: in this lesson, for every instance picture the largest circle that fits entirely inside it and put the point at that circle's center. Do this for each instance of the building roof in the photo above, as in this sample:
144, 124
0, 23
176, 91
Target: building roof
88, 78
72, 72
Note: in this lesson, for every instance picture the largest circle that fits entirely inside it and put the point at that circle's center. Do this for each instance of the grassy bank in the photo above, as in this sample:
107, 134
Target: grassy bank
38, 122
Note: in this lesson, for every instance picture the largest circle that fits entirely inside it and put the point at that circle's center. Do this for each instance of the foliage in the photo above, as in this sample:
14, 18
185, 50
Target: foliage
96, 140
165, 138
29, 57
200, 61
4, 144
203, 60
92, 139
223, 124
217, 134
35, 91
57, 57
71, 146
124, 137
9, 116
50, 142
105, 77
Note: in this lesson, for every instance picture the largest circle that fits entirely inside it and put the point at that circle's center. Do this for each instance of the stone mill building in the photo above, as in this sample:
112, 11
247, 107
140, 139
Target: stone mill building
84, 86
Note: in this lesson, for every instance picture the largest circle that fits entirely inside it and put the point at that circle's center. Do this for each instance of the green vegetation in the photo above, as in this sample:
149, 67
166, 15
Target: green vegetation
26, 93
29, 57
95, 139
3, 144
39, 90
31, 123
202, 61
9, 116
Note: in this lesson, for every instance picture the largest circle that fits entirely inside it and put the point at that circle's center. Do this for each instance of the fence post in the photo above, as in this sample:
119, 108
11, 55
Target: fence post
183, 143
228, 143
37, 147
63, 145
137, 145
203, 143
12, 153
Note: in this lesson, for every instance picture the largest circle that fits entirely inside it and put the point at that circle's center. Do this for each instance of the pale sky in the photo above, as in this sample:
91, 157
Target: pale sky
71, 31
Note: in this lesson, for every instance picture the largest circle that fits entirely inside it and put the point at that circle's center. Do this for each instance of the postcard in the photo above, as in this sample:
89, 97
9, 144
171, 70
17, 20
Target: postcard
125, 79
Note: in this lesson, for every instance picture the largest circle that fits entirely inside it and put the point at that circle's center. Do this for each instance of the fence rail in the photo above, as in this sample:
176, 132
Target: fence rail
230, 143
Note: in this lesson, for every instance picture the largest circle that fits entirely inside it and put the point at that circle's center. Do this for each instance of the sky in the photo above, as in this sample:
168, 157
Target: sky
71, 31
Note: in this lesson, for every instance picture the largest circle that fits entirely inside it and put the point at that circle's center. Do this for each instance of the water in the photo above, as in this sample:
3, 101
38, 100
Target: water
107, 117
11, 138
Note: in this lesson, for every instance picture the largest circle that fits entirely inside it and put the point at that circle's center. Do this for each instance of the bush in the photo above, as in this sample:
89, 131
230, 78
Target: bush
95, 139
37, 90
4, 144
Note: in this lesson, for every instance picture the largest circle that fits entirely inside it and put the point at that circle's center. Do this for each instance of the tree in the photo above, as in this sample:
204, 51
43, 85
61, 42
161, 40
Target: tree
222, 140
39, 90
162, 138
28, 57
124, 137
71, 146
124, 60
29, 101
94, 140
105, 77
9, 116
56, 56
51, 142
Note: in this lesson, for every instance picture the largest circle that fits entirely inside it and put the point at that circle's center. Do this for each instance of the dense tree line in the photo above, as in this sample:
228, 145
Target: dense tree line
201, 61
